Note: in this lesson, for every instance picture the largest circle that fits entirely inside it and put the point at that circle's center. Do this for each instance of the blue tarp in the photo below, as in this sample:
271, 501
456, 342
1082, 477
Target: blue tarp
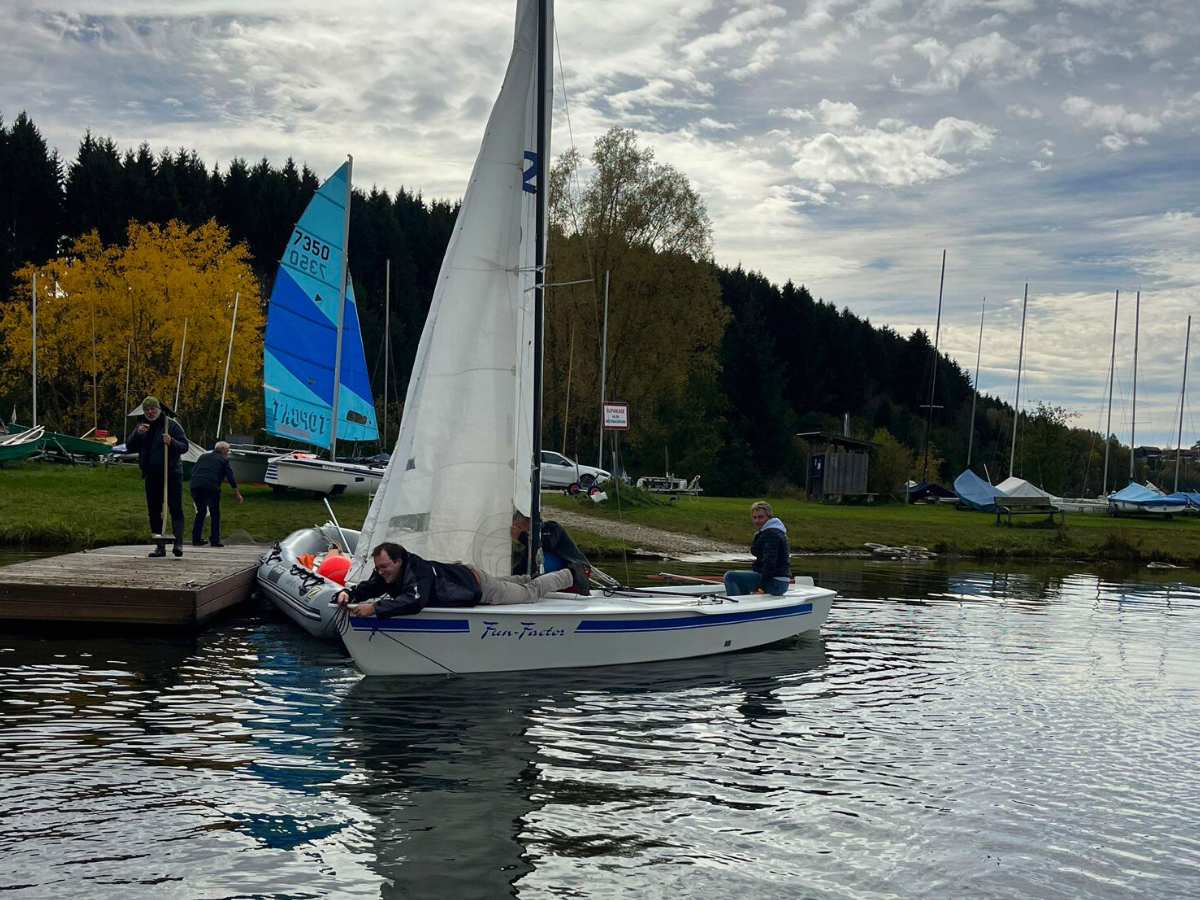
976, 493
1138, 495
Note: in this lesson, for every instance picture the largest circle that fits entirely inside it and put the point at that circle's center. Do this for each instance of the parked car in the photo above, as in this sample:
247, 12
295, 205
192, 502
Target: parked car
559, 471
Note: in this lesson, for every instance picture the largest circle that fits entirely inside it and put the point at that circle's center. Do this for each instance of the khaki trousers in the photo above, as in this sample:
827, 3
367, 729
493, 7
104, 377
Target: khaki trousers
505, 589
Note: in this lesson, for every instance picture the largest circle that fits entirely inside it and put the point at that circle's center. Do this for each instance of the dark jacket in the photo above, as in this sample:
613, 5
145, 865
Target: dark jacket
210, 471
554, 540
149, 446
771, 551
422, 583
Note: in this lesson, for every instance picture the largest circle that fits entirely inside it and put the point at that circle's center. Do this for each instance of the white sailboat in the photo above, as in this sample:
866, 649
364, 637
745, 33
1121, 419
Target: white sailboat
464, 459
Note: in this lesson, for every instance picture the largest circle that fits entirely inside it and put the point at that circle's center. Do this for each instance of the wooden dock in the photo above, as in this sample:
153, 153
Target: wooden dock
122, 585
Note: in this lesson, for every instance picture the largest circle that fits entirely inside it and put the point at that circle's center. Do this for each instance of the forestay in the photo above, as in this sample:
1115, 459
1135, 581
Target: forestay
462, 459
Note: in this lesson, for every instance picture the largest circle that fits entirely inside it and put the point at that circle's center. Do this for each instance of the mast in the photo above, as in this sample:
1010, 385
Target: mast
1012, 454
95, 387
975, 392
179, 377
933, 380
603, 373
124, 412
341, 318
387, 344
539, 276
1111, 369
34, 350
1137, 317
228, 358
1182, 393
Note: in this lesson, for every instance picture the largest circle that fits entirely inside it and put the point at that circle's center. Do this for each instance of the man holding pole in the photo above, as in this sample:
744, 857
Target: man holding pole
160, 443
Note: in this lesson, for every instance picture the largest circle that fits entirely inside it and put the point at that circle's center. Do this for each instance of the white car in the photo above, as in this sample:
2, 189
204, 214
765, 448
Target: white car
560, 472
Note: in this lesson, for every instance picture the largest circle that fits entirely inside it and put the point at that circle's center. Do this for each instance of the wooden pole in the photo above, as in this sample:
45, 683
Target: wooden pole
603, 373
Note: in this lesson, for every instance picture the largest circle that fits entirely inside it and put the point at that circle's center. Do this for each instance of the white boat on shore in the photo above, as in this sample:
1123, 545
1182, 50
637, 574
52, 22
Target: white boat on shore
669, 484
305, 472
249, 461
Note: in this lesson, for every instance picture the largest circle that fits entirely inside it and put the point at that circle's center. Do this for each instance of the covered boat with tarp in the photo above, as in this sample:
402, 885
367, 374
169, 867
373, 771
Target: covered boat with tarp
1145, 499
975, 493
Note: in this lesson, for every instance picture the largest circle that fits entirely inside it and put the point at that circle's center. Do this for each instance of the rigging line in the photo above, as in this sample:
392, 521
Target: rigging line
344, 623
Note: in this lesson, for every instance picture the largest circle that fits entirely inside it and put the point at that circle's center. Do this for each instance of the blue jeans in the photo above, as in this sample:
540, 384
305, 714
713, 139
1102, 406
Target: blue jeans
738, 584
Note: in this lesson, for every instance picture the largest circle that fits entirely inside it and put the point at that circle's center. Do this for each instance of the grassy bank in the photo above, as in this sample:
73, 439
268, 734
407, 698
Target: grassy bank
71, 507
822, 528
53, 506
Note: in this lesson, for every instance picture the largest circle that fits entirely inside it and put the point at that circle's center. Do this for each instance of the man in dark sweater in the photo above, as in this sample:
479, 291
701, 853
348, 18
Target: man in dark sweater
211, 470
772, 571
160, 442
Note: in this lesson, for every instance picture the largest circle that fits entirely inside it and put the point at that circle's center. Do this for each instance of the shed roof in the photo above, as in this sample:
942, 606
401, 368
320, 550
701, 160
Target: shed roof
838, 440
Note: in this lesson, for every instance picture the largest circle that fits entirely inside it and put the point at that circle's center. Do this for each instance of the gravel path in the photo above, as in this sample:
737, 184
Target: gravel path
643, 538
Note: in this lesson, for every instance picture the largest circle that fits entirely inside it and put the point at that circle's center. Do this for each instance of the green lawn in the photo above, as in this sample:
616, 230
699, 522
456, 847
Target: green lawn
818, 527
48, 505
56, 506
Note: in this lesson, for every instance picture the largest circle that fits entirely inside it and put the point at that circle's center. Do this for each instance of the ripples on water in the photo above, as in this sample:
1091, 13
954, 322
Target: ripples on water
951, 733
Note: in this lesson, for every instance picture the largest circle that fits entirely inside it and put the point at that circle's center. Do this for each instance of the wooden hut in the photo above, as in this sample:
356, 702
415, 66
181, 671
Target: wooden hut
837, 467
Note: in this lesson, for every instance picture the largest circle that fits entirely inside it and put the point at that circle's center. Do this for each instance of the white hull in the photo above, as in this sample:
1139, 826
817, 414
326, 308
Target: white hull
1116, 507
249, 462
323, 476
567, 631
1086, 505
298, 593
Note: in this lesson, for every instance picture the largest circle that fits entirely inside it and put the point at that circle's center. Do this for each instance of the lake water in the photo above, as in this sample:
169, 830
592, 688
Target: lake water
953, 732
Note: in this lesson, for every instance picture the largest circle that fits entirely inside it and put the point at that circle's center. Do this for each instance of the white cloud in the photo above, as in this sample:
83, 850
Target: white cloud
1018, 111
991, 58
1114, 116
904, 157
837, 115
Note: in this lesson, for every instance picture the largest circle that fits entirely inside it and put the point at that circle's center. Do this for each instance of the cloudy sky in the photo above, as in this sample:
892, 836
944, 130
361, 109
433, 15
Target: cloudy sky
842, 144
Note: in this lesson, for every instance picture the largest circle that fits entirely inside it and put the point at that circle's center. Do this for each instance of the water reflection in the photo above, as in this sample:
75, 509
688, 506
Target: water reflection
954, 731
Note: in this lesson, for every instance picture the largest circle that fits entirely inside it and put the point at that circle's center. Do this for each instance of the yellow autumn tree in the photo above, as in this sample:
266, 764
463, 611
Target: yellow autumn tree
108, 314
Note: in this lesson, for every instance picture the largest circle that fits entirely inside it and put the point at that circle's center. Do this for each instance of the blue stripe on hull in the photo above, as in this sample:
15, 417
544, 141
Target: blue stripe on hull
589, 626
608, 626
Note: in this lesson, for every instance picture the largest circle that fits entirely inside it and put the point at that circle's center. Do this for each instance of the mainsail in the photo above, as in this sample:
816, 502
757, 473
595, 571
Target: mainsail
301, 341
462, 460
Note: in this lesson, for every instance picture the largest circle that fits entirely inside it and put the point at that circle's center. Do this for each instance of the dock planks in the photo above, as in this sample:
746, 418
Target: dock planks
122, 585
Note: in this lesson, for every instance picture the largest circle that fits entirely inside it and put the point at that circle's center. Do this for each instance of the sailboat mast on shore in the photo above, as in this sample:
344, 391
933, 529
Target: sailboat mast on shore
1182, 396
1137, 318
1112, 365
1012, 455
975, 386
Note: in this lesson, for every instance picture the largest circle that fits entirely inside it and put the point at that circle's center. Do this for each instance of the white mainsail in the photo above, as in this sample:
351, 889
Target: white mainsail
461, 463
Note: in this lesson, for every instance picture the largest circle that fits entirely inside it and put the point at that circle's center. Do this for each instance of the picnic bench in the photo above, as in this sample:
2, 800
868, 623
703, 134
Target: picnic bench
1027, 506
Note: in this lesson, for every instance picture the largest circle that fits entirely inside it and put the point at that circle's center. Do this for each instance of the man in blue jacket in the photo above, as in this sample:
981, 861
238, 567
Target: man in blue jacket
405, 584
160, 443
212, 469
772, 569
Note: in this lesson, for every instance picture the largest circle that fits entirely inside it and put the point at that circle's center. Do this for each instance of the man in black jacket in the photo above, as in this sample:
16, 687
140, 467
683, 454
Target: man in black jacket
160, 442
406, 584
558, 552
210, 471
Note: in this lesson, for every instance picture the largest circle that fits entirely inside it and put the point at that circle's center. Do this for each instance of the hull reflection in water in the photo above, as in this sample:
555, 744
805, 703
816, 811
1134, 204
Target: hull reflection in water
450, 779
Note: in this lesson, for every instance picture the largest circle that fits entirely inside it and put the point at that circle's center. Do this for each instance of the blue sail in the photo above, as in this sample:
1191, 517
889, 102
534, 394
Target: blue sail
301, 341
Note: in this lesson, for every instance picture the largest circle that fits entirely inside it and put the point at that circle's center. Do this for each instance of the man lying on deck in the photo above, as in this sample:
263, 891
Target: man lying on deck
406, 584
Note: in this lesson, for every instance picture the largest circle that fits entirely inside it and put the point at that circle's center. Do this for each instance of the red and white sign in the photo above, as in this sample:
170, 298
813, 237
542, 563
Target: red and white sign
616, 416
